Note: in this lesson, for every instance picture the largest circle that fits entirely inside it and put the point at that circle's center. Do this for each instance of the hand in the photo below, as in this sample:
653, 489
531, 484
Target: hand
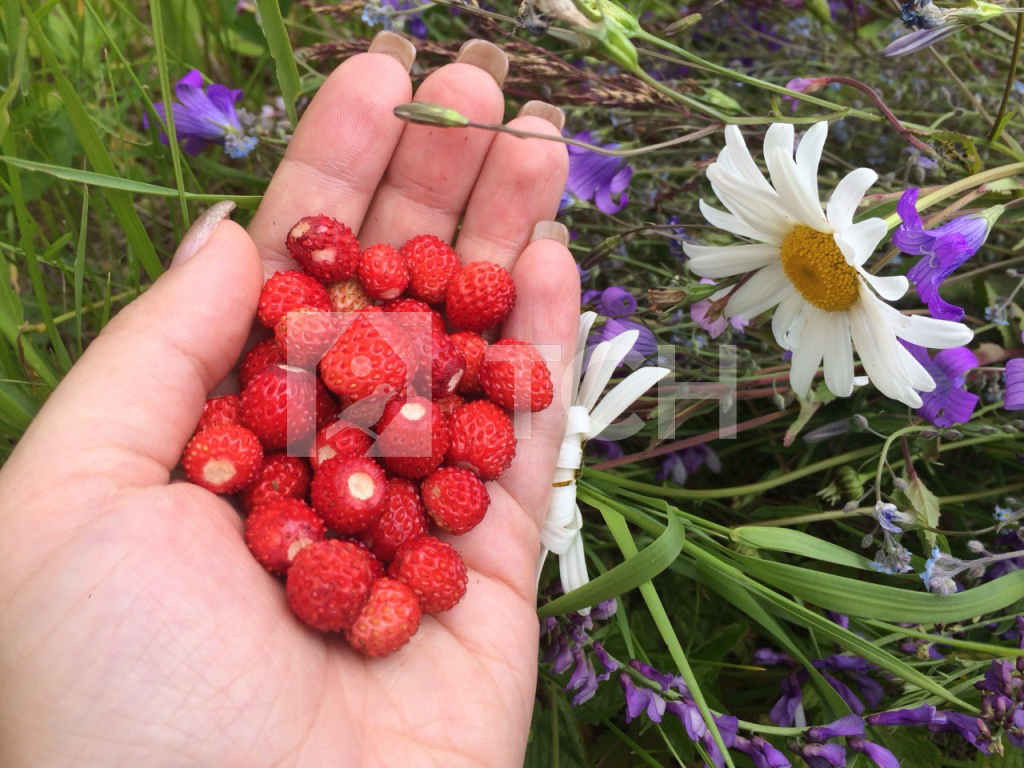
136, 627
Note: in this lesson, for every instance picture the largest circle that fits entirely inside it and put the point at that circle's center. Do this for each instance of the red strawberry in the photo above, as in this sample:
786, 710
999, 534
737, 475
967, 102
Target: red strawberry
326, 405
275, 532
413, 437
226, 409
455, 499
329, 582
348, 492
288, 291
340, 438
304, 335
447, 365
369, 358
432, 264
347, 295
383, 272
515, 376
480, 296
259, 357
415, 305
404, 518
222, 459
482, 439
324, 248
433, 570
278, 398
449, 404
280, 477
473, 348
388, 620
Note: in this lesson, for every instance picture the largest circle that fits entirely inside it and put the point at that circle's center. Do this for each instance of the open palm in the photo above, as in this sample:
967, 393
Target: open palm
135, 627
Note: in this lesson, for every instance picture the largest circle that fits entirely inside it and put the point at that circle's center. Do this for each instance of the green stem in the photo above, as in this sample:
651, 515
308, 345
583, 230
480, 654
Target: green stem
951, 190
1011, 77
885, 452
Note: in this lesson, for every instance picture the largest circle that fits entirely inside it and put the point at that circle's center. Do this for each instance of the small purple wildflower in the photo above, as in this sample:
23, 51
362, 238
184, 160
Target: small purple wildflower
803, 85
1014, 379
849, 725
596, 177
925, 714
762, 753
821, 755
717, 323
876, 753
639, 700
942, 249
678, 466
949, 403
205, 116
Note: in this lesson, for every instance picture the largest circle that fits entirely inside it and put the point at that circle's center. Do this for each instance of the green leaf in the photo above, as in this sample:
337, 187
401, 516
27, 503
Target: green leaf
926, 506
798, 543
281, 49
636, 570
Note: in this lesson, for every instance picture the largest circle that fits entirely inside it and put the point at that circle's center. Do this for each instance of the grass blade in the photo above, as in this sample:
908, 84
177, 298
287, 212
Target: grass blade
281, 50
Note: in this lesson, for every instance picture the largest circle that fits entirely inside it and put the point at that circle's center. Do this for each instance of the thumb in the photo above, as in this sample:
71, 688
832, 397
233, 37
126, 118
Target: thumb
129, 405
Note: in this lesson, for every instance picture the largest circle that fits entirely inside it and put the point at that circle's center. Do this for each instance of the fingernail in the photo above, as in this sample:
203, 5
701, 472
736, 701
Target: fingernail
550, 230
395, 46
489, 57
544, 111
201, 231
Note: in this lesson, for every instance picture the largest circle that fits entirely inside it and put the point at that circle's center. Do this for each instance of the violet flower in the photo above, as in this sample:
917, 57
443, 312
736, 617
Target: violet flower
203, 117
677, 466
821, 755
803, 85
383, 12
876, 753
942, 249
716, 325
596, 177
762, 753
949, 403
616, 303
925, 714
849, 725
1014, 379
640, 700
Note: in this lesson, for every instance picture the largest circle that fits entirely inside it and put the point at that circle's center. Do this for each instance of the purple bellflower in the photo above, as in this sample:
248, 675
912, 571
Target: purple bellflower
677, 466
596, 177
205, 116
949, 403
942, 250
616, 304
1014, 379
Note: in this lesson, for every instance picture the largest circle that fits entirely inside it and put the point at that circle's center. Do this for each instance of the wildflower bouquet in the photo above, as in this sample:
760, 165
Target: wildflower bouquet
785, 524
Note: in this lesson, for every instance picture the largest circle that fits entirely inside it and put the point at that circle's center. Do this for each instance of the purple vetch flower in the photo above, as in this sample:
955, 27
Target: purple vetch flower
596, 177
677, 466
803, 85
640, 700
205, 116
604, 610
942, 249
925, 714
788, 711
949, 403
608, 449
583, 680
607, 662
821, 755
717, 323
849, 725
971, 728
876, 753
762, 753
1014, 379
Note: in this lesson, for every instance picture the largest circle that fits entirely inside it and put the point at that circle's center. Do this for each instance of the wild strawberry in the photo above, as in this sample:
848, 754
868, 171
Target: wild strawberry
415, 305
348, 295
279, 405
339, 438
413, 437
447, 365
482, 439
325, 248
433, 570
404, 518
449, 404
326, 405
329, 582
279, 477
275, 532
226, 409
455, 499
383, 272
348, 493
259, 357
388, 620
288, 291
304, 335
432, 264
473, 348
515, 376
480, 296
222, 459
369, 358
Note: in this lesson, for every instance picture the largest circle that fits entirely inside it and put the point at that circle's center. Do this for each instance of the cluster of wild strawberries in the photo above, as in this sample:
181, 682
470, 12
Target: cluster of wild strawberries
425, 422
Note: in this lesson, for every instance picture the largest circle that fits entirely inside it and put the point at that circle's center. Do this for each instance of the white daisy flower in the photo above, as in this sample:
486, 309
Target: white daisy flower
810, 266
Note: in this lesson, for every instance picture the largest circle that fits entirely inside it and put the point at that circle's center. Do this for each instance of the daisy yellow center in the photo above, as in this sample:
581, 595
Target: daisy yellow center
814, 264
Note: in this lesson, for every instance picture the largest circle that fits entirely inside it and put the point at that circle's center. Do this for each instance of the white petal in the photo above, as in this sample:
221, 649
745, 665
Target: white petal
603, 361
927, 331
728, 260
787, 313
624, 394
839, 355
801, 203
847, 196
734, 225
586, 323
889, 288
739, 157
807, 355
779, 136
859, 241
808, 156
872, 343
762, 291
916, 374
760, 211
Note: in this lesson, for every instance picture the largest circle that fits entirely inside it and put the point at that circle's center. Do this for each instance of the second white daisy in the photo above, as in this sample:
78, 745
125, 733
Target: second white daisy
809, 264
